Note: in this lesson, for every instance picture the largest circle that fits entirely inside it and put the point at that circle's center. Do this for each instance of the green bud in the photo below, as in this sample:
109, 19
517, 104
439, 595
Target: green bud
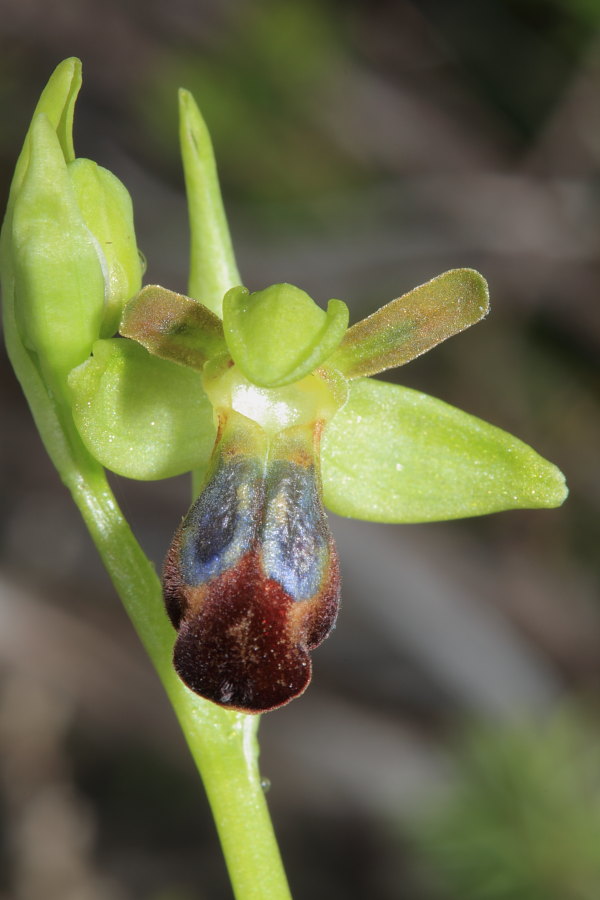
279, 335
57, 101
58, 278
141, 416
106, 208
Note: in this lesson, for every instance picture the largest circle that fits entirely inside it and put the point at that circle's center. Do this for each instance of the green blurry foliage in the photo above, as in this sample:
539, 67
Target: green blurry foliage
544, 39
257, 89
523, 821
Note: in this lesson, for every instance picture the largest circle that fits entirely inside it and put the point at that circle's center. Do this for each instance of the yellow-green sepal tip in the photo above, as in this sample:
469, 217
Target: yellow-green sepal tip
392, 454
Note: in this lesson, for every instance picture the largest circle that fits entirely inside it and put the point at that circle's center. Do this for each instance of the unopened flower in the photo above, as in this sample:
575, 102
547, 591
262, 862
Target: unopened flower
69, 255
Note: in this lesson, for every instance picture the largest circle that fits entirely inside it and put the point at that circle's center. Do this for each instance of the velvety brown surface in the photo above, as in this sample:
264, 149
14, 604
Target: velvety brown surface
243, 641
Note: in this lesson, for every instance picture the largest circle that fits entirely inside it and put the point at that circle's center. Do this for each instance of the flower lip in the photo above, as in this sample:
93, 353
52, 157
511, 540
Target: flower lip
251, 581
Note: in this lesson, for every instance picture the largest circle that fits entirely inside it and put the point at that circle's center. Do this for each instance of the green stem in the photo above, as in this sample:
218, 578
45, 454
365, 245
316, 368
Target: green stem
223, 743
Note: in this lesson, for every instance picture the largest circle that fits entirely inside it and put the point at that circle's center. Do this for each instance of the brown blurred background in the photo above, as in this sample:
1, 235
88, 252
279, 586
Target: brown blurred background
448, 747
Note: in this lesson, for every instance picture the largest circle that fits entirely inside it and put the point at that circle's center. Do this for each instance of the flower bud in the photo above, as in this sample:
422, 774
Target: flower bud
107, 211
58, 277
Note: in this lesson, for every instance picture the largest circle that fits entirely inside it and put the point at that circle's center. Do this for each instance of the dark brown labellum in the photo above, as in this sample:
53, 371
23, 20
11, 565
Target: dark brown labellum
251, 580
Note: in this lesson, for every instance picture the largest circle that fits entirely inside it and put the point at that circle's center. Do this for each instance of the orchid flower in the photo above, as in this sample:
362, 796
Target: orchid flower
285, 419
266, 396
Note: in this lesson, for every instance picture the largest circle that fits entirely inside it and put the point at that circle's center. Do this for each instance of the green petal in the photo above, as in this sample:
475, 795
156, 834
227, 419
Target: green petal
279, 335
392, 454
173, 327
413, 324
140, 416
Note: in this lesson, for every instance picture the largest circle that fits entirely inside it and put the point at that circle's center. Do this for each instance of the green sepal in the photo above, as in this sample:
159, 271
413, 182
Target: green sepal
107, 210
279, 335
173, 327
141, 416
413, 323
213, 269
59, 282
392, 454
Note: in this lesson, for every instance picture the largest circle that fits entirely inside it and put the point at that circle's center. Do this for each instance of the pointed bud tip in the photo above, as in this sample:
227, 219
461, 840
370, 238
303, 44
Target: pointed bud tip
70, 64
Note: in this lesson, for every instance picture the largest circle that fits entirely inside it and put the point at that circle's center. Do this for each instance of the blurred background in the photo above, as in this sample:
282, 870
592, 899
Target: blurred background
448, 746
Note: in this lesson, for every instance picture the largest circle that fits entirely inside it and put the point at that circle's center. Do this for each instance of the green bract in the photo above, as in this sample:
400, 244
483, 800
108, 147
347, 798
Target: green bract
68, 250
57, 102
212, 263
